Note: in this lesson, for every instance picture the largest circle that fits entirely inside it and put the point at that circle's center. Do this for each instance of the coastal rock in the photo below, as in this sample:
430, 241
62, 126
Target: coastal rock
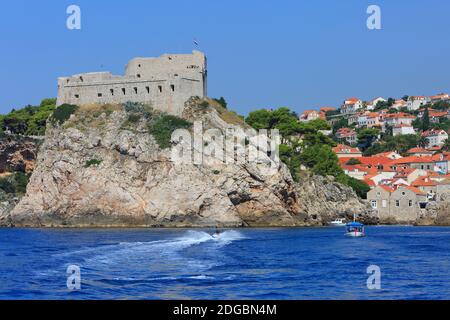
324, 200
97, 170
17, 154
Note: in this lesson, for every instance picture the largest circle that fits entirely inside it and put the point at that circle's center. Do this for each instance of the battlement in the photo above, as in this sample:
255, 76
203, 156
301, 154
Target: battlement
166, 83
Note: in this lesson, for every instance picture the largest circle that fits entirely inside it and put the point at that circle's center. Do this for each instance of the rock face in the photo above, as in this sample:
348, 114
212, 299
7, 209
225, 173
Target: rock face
99, 171
324, 200
436, 213
17, 154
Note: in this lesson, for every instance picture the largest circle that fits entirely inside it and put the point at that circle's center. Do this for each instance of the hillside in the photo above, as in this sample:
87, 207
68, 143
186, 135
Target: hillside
110, 166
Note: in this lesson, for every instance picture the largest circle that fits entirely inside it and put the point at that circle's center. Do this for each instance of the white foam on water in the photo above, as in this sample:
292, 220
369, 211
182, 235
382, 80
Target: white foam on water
144, 253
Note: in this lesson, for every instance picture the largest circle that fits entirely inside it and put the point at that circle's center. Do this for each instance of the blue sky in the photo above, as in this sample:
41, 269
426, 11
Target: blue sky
301, 54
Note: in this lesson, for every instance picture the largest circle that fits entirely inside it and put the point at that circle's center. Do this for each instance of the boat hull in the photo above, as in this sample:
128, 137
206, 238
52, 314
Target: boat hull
337, 224
355, 234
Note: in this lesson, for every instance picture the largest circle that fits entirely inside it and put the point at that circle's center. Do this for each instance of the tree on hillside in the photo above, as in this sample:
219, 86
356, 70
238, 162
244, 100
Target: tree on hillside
353, 161
400, 143
422, 142
426, 120
222, 102
446, 146
366, 137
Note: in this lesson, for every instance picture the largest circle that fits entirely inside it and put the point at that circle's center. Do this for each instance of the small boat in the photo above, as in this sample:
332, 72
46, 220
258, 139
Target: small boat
216, 233
355, 229
338, 223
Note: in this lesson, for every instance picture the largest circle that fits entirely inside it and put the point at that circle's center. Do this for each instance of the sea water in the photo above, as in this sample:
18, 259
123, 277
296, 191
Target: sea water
297, 263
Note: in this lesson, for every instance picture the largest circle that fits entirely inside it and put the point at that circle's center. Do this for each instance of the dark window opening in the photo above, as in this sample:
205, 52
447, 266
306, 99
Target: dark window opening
123, 90
81, 78
112, 91
135, 90
148, 89
77, 96
99, 95
160, 88
138, 75
172, 87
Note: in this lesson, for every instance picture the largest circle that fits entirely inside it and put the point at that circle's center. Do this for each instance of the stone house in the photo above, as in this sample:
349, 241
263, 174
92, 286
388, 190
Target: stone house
402, 203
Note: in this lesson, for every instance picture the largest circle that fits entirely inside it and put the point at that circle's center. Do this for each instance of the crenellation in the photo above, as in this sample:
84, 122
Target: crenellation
166, 83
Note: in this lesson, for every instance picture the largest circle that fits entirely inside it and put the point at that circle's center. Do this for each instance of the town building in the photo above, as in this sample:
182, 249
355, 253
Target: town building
402, 129
310, 115
347, 135
343, 151
370, 105
402, 203
415, 102
351, 105
435, 138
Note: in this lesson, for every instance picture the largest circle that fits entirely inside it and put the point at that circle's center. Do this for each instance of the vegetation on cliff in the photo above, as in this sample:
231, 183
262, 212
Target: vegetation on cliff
304, 145
15, 183
30, 120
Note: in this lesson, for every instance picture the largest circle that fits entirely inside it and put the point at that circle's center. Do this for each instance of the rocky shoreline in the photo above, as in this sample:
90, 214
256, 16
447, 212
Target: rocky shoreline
99, 170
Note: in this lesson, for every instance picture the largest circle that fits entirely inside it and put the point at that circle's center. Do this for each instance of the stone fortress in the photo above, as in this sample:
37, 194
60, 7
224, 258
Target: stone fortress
165, 83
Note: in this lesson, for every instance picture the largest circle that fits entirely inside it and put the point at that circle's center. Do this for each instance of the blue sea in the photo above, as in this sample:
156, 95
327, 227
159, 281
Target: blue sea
301, 263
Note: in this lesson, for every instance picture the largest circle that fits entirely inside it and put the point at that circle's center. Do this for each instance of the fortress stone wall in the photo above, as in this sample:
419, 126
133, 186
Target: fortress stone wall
166, 83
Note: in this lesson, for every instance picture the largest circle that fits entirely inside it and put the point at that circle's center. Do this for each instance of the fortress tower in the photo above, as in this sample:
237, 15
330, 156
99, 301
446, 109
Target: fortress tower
165, 83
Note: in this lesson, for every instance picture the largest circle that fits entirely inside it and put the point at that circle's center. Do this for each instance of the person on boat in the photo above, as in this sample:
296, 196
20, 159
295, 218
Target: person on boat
217, 232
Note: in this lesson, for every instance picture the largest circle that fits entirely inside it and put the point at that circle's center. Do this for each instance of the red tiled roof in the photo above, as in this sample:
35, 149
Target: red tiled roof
419, 150
400, 115
325, 109
341, 148
424, 181
432, 132
413, 159
387, 188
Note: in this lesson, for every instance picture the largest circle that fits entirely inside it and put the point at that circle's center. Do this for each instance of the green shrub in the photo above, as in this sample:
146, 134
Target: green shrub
138, 108
353, 161
222, 102
30, 120
162, 128
134, 118
63, 113
204, 104
360, 187
15, 184
92, 162
7, 186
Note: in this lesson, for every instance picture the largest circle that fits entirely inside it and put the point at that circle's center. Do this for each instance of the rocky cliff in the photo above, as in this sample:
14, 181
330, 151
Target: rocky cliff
17, 154
104, 168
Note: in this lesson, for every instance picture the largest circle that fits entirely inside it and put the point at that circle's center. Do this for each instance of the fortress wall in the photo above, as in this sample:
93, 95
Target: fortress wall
166, 83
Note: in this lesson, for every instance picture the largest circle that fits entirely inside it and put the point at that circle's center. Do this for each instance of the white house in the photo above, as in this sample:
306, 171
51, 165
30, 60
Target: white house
435, 138
401, 129
373, 103
415, 102
351, 105
399, 104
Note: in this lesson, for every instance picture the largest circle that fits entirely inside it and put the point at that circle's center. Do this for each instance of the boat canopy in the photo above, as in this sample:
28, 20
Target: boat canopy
355, 224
